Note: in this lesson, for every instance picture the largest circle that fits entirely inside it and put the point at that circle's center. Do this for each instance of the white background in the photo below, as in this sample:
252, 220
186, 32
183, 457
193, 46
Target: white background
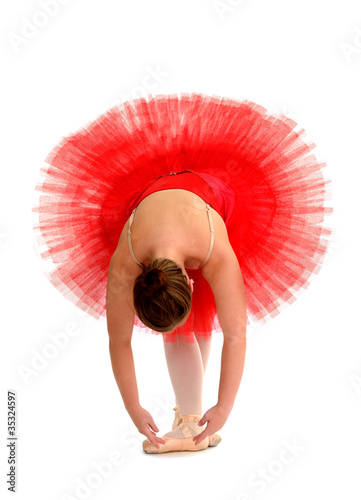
302, 378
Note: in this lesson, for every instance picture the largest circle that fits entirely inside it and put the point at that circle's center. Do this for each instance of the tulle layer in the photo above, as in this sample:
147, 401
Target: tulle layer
276, 227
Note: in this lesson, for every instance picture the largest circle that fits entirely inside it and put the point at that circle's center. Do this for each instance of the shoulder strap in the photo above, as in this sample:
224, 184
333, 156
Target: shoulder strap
212, 235
129, 240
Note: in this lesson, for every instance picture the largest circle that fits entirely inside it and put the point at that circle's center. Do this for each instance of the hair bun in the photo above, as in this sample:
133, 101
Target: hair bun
153, 280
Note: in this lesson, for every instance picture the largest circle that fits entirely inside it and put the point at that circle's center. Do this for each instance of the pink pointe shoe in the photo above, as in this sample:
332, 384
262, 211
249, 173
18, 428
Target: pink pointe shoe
177, 417
215, 438
181, 444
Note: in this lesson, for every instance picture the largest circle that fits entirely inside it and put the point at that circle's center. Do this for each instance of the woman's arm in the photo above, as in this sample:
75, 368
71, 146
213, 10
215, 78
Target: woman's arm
121, 356
120, 322
232, 364
226, 281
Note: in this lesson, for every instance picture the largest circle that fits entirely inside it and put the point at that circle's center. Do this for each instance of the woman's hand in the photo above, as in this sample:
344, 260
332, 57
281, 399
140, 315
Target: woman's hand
144, 422
216, 418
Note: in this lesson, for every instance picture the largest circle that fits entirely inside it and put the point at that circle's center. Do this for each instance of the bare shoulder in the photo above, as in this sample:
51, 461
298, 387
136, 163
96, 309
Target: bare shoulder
222, 249
225, 278
120, 312
222, 258
123, 238
122, 271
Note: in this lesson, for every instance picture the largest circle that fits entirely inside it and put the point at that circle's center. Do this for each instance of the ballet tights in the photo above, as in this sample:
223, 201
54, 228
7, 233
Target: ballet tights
186, 364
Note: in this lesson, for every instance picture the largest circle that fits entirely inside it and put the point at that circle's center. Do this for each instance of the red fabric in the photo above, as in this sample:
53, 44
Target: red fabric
267, 183
182, 180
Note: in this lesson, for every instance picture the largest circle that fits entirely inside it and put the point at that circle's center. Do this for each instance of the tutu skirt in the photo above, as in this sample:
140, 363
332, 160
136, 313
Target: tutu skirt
270, 189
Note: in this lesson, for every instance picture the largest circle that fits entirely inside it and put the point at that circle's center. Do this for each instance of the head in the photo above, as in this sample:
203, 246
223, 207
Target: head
163, 295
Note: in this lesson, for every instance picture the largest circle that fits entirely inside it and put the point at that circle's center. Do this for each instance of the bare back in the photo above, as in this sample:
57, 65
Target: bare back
172, 216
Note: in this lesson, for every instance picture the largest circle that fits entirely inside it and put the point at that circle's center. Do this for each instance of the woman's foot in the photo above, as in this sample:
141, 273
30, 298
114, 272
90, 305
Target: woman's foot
178, 428
177, 417
184, 443
214, 438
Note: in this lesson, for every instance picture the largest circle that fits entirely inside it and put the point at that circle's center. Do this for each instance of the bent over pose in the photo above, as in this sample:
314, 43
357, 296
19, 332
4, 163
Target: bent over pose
188, 217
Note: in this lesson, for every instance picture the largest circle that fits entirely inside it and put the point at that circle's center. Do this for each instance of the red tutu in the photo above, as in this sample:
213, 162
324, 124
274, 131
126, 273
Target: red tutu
270, 190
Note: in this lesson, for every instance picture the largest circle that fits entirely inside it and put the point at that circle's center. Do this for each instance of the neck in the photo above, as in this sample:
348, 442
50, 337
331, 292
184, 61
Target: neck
170, 253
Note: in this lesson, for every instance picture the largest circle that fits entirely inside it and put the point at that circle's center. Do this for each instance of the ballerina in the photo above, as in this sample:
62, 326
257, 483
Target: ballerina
172, 235
185, 216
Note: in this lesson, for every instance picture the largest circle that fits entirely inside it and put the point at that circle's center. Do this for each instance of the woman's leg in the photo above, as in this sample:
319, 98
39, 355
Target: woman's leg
185, 369
205, 349
186, 365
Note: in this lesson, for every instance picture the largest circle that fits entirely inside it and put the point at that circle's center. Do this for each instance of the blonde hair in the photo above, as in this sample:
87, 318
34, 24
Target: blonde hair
162, 296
